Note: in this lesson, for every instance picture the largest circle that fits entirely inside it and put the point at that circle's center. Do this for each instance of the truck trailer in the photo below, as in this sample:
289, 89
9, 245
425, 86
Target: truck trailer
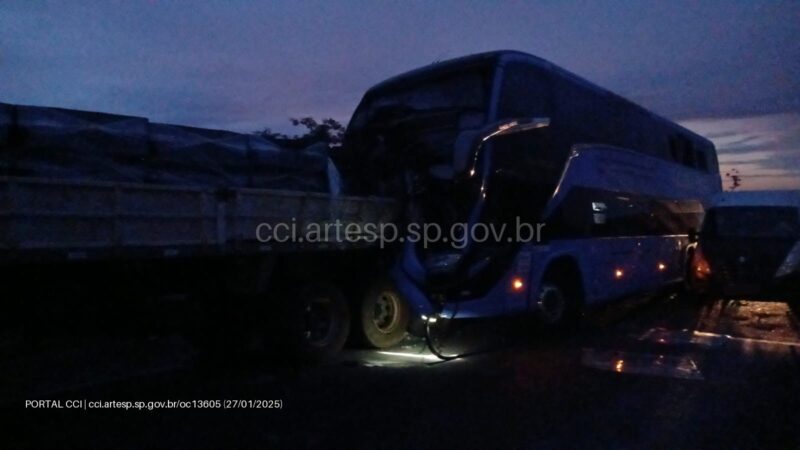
99, 209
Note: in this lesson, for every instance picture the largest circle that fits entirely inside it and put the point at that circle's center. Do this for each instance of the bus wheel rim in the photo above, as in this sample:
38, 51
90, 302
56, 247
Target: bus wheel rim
551, 304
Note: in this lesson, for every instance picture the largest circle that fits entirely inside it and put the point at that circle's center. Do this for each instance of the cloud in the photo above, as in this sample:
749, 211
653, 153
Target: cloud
765, 149
247, 65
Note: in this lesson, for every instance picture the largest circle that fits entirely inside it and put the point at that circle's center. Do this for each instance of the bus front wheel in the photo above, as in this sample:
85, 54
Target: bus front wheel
558, 303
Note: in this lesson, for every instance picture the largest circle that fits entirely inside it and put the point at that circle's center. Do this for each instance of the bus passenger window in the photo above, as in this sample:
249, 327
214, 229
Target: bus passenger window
688, 154
675, 150
702, 163
682, 151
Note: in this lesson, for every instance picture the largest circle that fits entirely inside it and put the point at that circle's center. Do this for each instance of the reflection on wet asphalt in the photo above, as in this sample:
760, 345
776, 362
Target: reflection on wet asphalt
642, 363
668, 373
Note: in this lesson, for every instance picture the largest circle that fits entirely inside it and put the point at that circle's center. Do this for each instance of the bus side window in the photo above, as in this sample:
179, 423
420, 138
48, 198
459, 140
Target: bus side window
682, 151
526, 92
702, 163
688, 154
674, 150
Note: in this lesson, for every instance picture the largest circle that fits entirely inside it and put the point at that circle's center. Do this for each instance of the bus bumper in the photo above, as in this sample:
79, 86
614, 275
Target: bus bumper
417, 300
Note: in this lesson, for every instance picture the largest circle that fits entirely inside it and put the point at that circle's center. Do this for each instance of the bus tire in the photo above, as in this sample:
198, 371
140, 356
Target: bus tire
316, 322
384, 315
559, 300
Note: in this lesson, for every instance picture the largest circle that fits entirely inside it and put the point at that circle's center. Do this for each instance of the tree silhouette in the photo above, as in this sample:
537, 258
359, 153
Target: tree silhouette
735, 179
328, 131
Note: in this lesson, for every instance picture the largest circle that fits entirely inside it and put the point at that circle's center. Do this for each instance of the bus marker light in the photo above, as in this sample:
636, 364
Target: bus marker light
517, 284
702, 269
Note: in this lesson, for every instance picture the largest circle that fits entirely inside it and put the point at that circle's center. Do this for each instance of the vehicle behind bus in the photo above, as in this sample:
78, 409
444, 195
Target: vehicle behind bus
749, 246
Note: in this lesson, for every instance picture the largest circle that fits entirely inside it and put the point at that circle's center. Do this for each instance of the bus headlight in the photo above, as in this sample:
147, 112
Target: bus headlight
790, 263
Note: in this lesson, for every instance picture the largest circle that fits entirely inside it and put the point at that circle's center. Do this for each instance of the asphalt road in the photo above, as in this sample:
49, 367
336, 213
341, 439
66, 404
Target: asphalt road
666, 373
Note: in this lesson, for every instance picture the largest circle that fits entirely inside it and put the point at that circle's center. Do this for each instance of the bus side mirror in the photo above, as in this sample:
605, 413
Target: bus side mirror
469, 142
693, 236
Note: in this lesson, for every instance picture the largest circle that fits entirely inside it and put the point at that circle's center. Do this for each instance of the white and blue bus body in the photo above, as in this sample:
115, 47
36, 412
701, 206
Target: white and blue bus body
503, 137
608, 263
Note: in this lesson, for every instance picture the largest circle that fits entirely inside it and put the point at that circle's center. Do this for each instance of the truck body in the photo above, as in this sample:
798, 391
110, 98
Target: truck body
98, 206
48, 220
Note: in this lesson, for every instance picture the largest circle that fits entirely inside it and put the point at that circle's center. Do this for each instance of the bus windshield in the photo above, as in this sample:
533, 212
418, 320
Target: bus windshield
413, 125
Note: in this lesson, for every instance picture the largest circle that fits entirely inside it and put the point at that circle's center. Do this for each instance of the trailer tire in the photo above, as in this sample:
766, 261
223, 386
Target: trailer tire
317, 322
384, 315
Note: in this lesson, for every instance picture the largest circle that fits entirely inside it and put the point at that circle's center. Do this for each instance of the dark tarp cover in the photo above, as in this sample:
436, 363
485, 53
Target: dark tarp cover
80, 145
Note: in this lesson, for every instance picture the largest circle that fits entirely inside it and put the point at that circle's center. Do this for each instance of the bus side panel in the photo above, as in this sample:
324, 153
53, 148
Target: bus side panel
611, 268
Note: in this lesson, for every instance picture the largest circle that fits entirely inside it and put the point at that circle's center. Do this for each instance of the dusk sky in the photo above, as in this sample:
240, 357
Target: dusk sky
728, 70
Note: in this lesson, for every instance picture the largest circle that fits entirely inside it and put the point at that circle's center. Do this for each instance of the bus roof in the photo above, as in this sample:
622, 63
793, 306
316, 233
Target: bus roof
758, 198
488, 58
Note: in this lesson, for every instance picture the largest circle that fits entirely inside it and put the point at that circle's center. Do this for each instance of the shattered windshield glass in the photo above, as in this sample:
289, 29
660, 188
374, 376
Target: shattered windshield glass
466, 90
458, 91
414, 125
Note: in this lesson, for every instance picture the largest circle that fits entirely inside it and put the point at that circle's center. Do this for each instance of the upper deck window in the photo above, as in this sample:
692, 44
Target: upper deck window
702, 162
414, 121
464, 91
683, 152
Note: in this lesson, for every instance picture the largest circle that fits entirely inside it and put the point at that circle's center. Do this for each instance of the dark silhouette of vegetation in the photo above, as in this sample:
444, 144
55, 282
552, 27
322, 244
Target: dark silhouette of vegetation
328, 131
734, 178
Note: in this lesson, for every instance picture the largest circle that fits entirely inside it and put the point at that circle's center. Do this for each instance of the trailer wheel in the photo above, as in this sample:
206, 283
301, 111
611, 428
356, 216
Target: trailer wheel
384, 315
317, 322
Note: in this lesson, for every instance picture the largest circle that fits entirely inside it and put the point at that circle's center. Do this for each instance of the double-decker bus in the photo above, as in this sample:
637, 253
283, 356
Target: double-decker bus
507, 138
